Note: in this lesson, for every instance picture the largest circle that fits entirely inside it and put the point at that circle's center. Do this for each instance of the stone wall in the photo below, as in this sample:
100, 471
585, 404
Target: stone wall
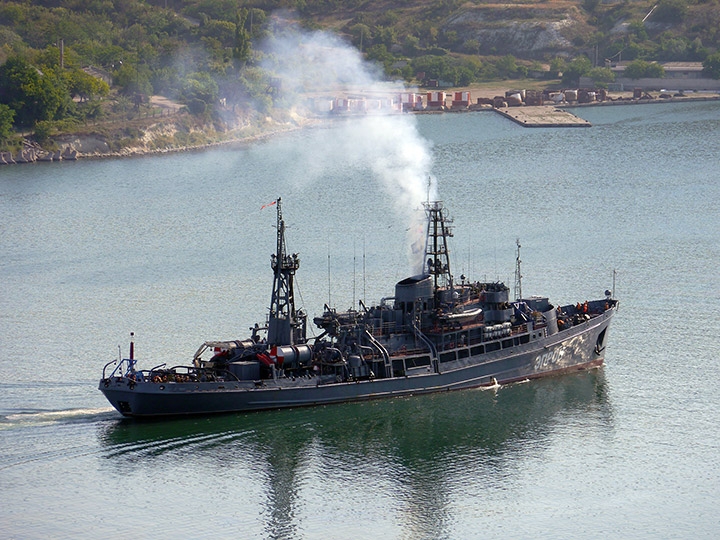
660, 84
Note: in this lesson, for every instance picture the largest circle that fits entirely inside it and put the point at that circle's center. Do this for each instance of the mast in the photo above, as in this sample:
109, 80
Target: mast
364, 297
437, 252
354, 265
285, 325
518, 275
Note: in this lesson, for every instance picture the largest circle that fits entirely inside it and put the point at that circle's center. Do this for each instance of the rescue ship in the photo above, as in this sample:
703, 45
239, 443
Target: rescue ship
433, 335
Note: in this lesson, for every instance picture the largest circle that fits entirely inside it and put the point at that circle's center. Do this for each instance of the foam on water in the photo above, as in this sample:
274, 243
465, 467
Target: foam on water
52, 417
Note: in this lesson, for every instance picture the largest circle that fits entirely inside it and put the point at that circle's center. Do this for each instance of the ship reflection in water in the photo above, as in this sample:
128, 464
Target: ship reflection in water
401, 463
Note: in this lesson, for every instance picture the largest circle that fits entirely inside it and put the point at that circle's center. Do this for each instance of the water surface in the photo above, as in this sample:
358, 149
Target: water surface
176, 249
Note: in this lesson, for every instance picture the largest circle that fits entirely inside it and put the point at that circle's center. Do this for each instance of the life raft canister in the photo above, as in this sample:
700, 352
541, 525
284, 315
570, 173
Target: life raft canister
219, 354
277, 356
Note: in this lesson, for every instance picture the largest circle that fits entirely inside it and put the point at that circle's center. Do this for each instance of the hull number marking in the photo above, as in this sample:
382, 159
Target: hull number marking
547, 359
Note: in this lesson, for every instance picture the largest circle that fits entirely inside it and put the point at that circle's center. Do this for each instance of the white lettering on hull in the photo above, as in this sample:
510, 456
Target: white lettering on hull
545, 360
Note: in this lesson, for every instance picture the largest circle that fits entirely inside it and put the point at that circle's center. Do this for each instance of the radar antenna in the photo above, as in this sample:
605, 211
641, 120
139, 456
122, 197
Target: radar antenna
285, 325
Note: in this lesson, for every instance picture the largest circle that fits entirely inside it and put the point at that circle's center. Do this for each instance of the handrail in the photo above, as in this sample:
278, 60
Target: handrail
106, 366
130, 363
190, 370
383, 351
424, 339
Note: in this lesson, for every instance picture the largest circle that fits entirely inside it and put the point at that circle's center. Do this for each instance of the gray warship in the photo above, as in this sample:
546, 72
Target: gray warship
434, 335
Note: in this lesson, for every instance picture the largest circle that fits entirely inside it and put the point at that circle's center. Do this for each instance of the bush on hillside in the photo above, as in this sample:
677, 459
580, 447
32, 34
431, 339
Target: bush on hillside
640, 69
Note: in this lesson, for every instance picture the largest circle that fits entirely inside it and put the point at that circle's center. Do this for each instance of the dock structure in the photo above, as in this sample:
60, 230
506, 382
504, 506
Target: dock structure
542, 116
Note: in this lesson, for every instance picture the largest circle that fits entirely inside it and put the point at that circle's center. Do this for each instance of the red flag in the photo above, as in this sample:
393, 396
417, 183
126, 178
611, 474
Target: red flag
264, 205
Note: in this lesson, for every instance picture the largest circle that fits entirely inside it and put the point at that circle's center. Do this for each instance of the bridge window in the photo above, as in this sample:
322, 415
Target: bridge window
447, 357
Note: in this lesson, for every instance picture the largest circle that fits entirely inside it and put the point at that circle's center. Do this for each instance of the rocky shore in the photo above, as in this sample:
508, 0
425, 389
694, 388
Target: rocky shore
157, 139
32, 152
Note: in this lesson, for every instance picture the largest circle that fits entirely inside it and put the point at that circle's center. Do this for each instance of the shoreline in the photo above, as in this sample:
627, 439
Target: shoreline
136, 152
318, 120
194, 148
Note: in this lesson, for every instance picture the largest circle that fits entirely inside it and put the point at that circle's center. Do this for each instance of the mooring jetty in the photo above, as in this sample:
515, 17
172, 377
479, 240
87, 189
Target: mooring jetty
542, 116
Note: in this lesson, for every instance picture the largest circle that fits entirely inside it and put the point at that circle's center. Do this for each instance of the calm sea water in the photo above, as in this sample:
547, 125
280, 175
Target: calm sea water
176, 249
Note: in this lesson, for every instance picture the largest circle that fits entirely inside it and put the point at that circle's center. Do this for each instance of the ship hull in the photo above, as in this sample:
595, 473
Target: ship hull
577, 348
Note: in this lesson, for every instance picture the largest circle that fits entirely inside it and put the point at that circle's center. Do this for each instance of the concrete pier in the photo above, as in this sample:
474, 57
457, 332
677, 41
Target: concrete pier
542, 116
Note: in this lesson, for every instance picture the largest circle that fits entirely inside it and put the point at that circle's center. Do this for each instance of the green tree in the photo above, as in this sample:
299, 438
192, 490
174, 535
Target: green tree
380, 54
54, 99
507, 66
450, 38
6, 123
19, 87
33, 95
697, 51
86, 86
11, 14
558, 65
435, 67
253, 83
411, 45
672, 11
655, 71
463, 76
241, 46
431, 35
673, 49
408, 73
389, 18
637, 29
361, 35
133, 80
223, 31
91, 109
640, 69
579, 66
636, 69
216, 9
387, 36
601, 76
200, 92
42, 131
471, 46
110, 55
257, 19
711, 66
